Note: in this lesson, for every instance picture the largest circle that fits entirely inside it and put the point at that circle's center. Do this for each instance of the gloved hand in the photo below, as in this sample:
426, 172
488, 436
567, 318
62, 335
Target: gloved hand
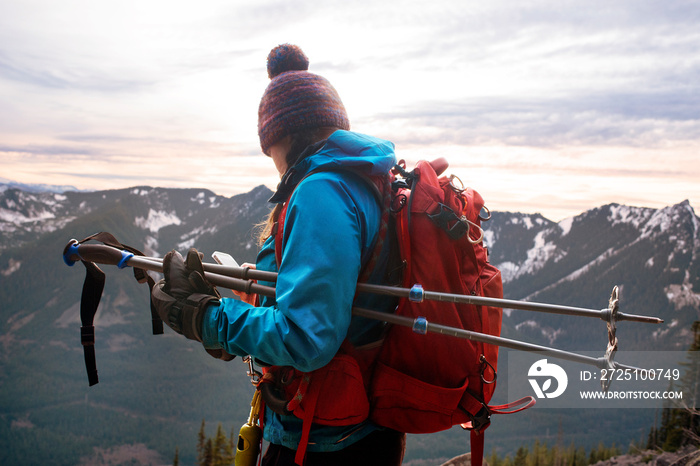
243, 296
183, 295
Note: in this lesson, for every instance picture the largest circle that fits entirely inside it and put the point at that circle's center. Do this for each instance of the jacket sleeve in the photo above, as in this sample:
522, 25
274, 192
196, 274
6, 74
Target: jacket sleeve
330, 220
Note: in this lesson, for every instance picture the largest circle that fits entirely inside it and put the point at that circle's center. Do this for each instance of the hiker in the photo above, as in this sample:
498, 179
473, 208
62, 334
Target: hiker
320, 237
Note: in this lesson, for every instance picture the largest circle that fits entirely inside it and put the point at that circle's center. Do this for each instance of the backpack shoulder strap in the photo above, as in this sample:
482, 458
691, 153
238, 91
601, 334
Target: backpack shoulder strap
380, 186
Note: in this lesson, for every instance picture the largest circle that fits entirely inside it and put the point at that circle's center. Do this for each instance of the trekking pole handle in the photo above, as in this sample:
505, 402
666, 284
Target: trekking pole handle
99, 253
238, 284
241, 272
108, 255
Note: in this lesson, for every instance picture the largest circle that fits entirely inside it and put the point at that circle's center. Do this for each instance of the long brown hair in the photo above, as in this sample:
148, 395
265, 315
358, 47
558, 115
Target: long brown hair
299, 142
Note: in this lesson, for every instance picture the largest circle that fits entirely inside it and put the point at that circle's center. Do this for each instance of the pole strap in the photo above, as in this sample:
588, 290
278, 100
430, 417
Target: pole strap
93, 287
92, 293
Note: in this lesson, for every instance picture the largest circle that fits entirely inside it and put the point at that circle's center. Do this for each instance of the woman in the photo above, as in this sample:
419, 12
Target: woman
331, 218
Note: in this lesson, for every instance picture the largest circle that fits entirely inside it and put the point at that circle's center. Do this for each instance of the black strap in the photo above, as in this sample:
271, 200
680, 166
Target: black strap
90, 300
140, 274
92, 294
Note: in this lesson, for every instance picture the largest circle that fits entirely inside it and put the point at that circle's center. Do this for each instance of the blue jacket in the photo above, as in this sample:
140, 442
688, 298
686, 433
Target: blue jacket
331, 225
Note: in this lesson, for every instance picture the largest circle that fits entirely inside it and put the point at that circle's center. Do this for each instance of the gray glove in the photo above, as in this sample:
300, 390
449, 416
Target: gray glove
183, 295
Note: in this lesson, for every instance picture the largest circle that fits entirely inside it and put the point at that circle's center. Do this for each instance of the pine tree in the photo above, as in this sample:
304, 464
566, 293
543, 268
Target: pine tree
216, 451
201, 445
580, 456
493, 459
539, 455
653, 433
208, 454
521, 457
689, 413
680, 421
176, 460
592, 457
559, 453
222, 453
601, 453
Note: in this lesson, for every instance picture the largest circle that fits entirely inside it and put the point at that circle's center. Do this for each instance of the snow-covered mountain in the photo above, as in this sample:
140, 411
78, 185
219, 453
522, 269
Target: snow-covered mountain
147, 382
153, 390
157, 219
35, 188
651, 254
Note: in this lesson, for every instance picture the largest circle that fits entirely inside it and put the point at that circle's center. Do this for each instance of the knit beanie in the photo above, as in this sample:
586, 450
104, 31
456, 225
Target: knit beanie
295, 99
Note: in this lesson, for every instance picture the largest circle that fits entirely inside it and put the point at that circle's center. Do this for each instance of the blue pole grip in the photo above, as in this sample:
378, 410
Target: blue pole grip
126, 255
420, 325
416, 294
97, 253
70, 250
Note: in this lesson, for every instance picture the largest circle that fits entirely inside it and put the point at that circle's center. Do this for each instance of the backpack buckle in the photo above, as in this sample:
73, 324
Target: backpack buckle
444, 217
478, 421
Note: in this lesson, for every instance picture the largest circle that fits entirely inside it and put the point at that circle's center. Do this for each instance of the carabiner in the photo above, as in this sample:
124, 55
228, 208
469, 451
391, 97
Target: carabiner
488, 214
485, 362
458, 189
254, 375
481, 231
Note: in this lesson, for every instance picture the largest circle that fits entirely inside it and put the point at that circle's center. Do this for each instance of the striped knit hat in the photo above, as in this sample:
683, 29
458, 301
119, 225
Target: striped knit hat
296, 99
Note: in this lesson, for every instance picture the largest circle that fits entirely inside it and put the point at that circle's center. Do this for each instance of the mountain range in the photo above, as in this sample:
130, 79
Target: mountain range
154, 391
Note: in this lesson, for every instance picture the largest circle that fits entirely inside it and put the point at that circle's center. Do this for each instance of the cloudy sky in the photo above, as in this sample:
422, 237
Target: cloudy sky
549, 106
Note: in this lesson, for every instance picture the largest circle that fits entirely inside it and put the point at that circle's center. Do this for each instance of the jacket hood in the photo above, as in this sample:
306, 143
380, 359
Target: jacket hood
342, 150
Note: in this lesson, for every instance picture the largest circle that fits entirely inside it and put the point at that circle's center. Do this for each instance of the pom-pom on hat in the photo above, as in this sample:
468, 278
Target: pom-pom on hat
295, 99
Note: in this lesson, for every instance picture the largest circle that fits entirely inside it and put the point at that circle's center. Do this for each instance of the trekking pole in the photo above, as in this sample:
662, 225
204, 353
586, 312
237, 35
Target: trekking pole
609, 315
416, 293
109, 255
242, 280
422, 326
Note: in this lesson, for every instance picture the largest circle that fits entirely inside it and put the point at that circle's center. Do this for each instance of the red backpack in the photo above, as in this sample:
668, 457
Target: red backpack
424, 383
427, 383
418, 382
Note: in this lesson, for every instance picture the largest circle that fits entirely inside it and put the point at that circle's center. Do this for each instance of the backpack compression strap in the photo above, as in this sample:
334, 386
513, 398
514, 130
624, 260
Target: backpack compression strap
483, 419
92, 294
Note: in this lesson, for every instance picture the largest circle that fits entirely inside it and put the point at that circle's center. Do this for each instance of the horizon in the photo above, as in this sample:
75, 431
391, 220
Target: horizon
56, 189
541, 106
